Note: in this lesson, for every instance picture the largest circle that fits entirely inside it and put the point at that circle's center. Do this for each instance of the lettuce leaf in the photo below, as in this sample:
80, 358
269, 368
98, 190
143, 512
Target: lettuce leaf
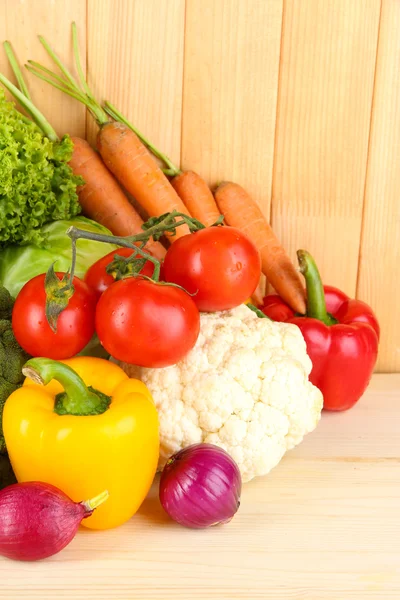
37, 186
18, 264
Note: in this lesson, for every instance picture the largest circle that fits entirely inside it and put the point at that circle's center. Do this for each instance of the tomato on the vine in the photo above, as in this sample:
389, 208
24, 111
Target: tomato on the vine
146, 323
75, 324
219, 265
97, 277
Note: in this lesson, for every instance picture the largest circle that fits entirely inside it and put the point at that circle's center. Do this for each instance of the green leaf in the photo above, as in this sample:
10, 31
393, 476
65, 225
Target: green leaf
37, 186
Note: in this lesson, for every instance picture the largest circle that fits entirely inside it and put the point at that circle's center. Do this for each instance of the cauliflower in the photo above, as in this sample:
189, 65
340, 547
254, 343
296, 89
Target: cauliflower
243, 387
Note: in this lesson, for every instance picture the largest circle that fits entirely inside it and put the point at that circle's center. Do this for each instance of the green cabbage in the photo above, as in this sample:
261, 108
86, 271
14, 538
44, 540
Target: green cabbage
18, 264
37, 186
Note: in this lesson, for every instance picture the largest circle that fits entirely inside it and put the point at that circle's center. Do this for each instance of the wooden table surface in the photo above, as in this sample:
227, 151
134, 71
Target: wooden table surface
323, 525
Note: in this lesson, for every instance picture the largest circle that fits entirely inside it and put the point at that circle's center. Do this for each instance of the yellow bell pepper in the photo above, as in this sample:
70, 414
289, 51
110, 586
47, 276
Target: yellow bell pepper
84, 426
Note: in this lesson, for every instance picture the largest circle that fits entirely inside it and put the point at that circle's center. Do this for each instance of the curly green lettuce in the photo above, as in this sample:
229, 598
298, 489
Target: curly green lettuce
37, 186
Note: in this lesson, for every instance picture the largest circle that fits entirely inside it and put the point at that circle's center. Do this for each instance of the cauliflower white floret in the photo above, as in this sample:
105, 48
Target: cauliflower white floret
243, 387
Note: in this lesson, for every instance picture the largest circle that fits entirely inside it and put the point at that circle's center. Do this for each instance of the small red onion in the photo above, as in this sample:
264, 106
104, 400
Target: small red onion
38, 520
200, 486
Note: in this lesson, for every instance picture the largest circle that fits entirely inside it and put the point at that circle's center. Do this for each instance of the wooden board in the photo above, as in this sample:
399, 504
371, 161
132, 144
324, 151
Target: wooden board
324, 110
379, 281
323, 525
135, 60
21, 22
230, 89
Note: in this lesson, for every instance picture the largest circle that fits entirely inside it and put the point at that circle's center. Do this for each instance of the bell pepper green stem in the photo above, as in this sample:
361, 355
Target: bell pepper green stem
77, 398
316, 305
90, 505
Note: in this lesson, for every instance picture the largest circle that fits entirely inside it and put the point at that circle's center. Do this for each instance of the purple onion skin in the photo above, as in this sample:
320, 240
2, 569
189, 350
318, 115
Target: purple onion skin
200, 486
37, 520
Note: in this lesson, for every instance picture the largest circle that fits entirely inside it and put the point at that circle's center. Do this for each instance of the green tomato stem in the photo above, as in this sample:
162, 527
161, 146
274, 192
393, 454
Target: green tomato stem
58, 292
75, 234
77, 399
161, 225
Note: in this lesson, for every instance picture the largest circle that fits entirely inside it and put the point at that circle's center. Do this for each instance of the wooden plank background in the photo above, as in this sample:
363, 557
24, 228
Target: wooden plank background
297, 101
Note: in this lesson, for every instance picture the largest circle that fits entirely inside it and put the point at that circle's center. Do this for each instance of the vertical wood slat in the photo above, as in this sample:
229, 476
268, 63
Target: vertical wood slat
379, 274
230, 90
135, 60
324, 108
21, 22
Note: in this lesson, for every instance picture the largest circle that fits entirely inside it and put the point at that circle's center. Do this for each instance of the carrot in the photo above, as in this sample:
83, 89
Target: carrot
197, 197
190, 187
132, 164
122, 151
241, 211
102, 199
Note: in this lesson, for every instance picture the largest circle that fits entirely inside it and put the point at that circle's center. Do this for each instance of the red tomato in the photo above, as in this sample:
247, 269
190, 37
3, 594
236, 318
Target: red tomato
220, 265
145, 323
75, 325
97, 277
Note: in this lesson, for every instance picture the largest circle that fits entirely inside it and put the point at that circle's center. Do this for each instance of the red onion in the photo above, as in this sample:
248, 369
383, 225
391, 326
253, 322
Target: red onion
38, 520
200, 486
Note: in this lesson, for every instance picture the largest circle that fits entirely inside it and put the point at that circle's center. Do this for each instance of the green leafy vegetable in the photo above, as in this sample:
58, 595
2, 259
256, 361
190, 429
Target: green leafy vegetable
18, 264
12, 357
37, 185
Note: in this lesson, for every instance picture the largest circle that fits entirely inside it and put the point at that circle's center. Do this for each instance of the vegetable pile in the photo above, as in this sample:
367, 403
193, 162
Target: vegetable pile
138, 340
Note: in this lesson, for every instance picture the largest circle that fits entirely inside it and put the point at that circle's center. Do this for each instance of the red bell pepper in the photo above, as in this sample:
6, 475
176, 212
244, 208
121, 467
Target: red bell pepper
341, 334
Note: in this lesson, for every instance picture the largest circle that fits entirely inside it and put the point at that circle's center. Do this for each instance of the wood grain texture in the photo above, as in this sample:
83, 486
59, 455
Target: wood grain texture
379, 282
324, 109
135, 60
323, 525
21, 21
230, 90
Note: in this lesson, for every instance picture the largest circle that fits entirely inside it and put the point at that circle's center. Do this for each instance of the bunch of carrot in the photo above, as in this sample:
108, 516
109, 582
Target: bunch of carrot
125, 157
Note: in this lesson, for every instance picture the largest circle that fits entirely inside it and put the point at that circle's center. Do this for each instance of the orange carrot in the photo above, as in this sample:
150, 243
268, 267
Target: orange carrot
197, 197
121, 150
190, 187
241, 211
134, 167
103, 200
